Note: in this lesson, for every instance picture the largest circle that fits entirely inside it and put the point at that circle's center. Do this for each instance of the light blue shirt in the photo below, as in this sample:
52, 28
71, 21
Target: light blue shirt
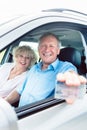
40, 83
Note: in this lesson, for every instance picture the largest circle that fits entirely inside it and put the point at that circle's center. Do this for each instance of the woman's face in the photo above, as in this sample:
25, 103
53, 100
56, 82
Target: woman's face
23, 60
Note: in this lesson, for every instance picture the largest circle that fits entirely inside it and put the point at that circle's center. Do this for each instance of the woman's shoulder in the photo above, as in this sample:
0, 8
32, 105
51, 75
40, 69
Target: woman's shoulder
8, 64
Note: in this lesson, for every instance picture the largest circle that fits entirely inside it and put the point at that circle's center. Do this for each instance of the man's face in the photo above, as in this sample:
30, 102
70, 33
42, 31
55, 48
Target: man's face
48, 49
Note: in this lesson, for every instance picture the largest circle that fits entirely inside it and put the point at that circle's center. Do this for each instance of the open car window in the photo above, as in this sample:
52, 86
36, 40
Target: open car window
70, 34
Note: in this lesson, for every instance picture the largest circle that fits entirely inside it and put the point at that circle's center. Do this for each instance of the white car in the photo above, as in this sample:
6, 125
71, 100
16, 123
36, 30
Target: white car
51, 113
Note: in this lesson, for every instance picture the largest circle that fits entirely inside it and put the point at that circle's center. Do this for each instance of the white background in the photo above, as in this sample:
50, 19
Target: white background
16, 7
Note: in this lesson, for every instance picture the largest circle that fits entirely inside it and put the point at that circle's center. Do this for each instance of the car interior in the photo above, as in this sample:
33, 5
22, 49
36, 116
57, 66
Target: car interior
72, 55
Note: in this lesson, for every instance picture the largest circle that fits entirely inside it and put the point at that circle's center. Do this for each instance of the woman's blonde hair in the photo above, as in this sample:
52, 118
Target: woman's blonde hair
25, 49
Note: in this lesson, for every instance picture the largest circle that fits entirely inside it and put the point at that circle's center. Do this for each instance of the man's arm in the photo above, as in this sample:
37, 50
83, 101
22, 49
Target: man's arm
13, 97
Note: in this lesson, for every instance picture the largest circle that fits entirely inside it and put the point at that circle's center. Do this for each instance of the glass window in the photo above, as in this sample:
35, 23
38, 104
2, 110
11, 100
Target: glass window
2, 55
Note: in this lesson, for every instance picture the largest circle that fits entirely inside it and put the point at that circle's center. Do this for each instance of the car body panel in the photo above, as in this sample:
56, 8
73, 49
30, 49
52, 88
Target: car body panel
8, 116
58, 117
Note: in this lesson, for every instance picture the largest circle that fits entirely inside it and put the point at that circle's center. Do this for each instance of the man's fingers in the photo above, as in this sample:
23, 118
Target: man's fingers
61, 77
82, 79
71, 79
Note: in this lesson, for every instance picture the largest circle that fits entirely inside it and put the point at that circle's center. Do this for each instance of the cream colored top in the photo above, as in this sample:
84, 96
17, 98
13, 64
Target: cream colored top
6, 86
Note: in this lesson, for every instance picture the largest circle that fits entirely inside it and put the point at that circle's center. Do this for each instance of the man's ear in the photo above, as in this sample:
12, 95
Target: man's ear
58, 52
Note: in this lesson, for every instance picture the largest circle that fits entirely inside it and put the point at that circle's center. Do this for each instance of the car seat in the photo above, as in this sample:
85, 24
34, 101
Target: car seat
71, 55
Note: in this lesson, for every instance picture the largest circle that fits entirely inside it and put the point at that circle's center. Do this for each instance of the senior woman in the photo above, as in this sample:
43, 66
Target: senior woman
13, 74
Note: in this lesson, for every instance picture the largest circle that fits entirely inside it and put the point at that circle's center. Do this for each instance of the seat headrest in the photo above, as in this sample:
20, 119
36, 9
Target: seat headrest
70, 54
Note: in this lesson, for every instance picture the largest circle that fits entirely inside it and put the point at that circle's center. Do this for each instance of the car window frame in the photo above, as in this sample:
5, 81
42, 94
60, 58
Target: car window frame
46, 103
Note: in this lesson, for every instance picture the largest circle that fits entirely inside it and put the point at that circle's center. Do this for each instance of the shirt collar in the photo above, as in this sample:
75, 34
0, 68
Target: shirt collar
53, 66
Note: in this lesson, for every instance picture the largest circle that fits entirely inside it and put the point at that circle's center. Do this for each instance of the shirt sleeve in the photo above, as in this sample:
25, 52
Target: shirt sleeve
67, 66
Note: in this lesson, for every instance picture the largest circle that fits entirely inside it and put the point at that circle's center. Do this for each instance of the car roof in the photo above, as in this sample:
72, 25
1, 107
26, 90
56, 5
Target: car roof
52, 17
64, 14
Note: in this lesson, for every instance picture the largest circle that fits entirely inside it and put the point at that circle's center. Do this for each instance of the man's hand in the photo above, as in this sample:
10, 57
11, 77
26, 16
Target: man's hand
71, 78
